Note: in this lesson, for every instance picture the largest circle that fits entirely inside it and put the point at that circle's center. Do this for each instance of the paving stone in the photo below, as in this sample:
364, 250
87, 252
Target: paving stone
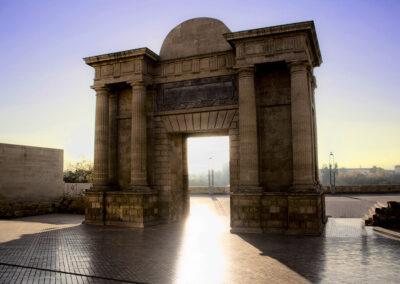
59, 249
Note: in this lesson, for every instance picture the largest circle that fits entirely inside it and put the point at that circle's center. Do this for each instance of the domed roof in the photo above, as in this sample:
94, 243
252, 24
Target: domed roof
194, 37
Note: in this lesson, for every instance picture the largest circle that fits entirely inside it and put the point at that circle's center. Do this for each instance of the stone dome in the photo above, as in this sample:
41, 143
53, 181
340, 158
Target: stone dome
194, 37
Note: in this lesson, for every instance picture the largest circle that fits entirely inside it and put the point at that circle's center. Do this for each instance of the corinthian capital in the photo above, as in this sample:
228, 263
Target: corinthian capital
100, 89
246, 72
299, 66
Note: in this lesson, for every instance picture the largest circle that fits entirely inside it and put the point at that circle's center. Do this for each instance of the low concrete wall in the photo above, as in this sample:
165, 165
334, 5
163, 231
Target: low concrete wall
204, 189
383, 188
31, 178
76, 189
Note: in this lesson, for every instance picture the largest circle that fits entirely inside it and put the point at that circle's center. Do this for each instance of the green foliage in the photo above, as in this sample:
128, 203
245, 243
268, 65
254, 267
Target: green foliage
373, 176
80, 172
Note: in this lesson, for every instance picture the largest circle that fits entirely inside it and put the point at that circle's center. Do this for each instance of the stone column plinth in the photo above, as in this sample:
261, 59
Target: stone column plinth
139, 138
249, 171
101, 144
302, 128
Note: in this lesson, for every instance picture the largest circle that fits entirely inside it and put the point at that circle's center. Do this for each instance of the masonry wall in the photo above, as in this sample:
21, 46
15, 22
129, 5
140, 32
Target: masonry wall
31, 178
272, 83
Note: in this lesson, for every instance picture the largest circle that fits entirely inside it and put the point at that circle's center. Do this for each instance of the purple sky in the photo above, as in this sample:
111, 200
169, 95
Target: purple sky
45, 92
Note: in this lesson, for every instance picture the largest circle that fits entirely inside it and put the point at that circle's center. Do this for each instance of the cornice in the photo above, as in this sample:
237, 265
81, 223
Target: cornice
126, 54
307, 27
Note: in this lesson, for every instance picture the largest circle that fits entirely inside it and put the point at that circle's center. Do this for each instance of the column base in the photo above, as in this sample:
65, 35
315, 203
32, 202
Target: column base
122, 208
250, 189
307, 188
102, 188
141, 189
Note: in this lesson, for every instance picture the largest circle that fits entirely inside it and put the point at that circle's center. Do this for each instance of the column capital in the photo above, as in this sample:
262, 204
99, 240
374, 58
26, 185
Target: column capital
246, 71
299, 66
100, 89
137, 84
313, 81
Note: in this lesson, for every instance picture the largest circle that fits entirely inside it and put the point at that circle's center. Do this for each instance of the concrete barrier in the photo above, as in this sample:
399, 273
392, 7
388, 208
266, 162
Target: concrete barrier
204, 189
76, 189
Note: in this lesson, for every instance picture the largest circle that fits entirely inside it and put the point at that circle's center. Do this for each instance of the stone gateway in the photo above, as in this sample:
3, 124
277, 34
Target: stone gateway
257, 86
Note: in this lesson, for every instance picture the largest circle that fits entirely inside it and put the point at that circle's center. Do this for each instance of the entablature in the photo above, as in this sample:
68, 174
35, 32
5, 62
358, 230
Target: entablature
292, 42
129, 65
121, 55
206, 65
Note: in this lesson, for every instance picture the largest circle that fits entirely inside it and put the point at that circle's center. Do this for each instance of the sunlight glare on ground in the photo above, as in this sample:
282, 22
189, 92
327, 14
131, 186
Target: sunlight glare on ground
201, 256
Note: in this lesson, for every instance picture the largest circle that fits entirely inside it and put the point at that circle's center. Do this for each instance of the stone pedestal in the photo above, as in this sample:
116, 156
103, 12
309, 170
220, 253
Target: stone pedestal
293, 213
122, 208
94, 207
280, 213
246, 212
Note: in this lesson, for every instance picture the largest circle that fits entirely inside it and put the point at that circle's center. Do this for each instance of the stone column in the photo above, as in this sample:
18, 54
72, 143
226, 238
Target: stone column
313, 86
101, 140
139, 137
302, 128
113, 132
249, 171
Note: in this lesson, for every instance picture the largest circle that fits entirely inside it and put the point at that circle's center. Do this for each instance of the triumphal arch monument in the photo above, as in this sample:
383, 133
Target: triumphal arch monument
257, 86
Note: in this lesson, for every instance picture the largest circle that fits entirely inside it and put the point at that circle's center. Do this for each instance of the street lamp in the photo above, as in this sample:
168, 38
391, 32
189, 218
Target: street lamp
332, 172
210, 175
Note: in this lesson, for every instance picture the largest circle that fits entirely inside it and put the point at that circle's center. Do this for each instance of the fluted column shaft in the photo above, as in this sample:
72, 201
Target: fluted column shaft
139, 136
313, 86
101, 138
113, 132
302, 128
249, 171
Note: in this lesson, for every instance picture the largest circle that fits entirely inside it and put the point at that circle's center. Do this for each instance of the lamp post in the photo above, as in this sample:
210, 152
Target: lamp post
210, 175
332, 172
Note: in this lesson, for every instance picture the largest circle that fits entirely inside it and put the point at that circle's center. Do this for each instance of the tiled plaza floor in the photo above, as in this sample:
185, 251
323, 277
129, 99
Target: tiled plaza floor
58, 249
355, 205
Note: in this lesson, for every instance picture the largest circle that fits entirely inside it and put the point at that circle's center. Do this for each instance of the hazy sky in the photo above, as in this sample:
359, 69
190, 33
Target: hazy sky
213, 156
45, 98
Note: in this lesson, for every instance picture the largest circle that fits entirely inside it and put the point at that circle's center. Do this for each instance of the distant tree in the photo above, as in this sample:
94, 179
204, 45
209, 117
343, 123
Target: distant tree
80, 172
221, 177
325, 175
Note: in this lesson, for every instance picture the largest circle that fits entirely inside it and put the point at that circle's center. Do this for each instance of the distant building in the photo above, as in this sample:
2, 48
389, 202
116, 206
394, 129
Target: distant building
397, 169
364, 171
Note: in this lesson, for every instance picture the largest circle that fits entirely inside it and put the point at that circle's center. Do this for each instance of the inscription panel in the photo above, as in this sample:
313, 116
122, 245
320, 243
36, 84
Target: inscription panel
206, 92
